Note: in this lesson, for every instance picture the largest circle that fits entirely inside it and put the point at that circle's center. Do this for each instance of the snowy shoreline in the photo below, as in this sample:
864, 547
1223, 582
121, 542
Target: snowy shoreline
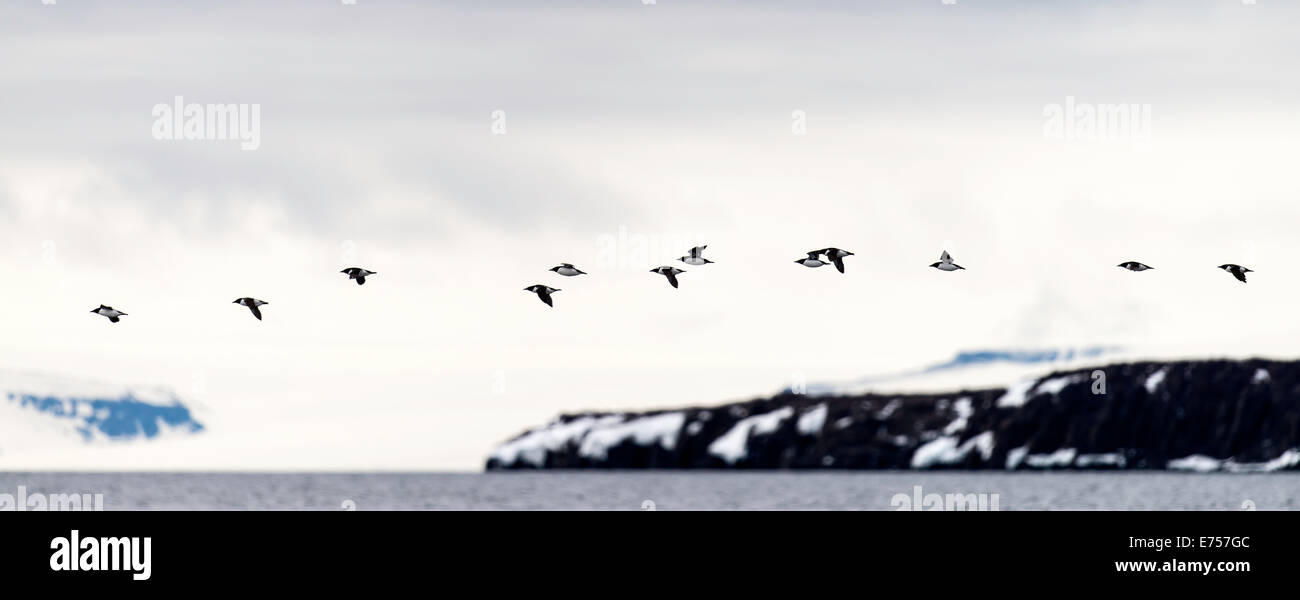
1208, 415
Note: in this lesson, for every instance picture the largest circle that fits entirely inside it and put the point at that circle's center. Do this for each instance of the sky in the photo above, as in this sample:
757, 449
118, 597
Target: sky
461, 149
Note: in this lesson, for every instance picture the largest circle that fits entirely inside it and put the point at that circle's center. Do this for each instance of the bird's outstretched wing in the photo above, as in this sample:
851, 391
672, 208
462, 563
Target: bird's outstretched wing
839, 263
256, 312
672, 278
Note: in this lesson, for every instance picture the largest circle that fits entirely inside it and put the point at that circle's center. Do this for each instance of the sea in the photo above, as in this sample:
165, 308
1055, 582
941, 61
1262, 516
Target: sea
666, 490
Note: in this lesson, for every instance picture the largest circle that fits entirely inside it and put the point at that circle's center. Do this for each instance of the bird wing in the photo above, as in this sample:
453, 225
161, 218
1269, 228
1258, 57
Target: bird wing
672, 278
696, 251
546, 297
1239, 274
839, 263
945, 257
256, 312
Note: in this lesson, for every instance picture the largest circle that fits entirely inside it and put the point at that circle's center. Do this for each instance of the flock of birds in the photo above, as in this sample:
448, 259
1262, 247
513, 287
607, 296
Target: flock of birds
354, 273
816, 258
694, 257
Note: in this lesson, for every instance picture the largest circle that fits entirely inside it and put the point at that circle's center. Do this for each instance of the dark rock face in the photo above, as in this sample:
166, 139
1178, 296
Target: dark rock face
1229, 415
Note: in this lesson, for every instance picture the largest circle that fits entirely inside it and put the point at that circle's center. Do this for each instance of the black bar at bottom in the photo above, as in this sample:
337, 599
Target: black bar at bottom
1174, 548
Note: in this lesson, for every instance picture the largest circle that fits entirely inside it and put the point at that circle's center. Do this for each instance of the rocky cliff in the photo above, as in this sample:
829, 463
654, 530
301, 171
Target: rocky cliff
1197, 415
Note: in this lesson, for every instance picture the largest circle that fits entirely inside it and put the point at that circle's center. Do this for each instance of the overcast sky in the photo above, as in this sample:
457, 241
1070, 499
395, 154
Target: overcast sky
627, 133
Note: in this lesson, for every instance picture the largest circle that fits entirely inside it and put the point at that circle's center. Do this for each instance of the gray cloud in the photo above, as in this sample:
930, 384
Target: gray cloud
669, 122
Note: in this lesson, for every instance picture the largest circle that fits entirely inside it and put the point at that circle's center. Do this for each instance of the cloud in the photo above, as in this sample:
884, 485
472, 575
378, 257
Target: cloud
669, 121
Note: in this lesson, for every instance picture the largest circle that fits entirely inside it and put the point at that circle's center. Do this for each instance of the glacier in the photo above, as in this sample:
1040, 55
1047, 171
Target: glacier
39, 409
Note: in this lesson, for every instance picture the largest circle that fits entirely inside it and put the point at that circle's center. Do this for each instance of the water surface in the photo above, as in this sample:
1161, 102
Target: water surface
667, 490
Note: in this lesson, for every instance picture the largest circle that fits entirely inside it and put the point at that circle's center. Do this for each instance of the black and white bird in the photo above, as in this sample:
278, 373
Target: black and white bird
110, 312
694, 257
1134, 265
669, 272
1237, 271
812, 262
252, 304
945, 263
567, 270
836, 256
542, 292
358, 274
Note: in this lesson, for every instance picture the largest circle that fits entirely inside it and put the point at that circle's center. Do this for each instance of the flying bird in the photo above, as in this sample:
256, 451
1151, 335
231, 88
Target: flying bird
812, 261
252, 304
567, 270
836, 256
694, 257
1237, 271
358, 274
669, 272
109, 312
1133, 265
542, 292
945, 263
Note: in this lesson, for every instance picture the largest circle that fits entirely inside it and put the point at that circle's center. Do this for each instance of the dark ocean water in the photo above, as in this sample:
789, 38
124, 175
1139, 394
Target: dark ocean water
663, 490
